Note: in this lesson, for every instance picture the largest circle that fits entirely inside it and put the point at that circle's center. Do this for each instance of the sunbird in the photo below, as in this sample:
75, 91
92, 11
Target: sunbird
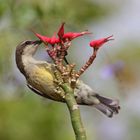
40, 79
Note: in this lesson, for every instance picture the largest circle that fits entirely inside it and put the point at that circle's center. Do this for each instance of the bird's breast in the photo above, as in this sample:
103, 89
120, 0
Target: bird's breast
41, 79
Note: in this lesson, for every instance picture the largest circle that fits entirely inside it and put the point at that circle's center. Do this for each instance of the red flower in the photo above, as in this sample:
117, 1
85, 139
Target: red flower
98, 43
70, 35
53, 40
43, 38
61, 30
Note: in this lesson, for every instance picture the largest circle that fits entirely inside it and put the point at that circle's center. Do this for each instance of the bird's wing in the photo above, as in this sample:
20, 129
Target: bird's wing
37, 91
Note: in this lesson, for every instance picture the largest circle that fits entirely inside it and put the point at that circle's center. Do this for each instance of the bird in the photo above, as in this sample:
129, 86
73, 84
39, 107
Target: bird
40, 77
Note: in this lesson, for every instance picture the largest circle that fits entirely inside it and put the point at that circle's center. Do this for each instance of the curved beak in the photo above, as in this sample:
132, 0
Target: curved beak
37, 42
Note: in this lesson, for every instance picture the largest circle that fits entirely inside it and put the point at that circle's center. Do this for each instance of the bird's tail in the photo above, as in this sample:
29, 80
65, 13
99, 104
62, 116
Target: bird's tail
107, 106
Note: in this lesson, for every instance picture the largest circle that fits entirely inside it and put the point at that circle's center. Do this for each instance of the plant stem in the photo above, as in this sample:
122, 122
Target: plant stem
76, 121
88, 63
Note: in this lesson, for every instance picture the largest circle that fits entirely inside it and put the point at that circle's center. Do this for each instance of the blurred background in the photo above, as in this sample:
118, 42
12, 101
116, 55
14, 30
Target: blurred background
115, 72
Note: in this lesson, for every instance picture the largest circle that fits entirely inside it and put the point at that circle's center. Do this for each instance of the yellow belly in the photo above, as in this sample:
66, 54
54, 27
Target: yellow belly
43, 74
43, 80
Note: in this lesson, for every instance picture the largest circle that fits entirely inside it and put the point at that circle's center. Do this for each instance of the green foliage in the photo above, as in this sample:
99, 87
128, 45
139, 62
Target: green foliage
28, 118
134, 124
41, 14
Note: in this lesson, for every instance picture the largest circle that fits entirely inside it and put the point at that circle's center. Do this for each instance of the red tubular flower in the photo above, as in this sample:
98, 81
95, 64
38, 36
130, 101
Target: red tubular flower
98, 43
61, 30
43, 38
70, 35
53, 40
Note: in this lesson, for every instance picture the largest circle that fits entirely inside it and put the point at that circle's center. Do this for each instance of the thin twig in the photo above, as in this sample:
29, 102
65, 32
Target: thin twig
88, 63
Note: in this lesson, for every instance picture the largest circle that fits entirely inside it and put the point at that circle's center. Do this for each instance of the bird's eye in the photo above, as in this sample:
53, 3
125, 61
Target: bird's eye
28, 42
